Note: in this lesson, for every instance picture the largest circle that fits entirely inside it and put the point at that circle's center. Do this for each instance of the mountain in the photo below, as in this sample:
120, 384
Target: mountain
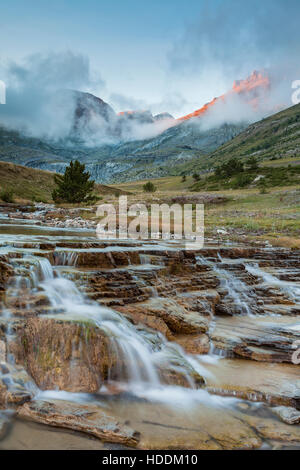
119, 162
252, 90
90, 112
162, 116
275, 137
134, 144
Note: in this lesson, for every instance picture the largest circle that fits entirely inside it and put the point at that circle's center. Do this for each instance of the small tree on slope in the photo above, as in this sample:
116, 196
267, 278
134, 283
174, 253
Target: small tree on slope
74, 186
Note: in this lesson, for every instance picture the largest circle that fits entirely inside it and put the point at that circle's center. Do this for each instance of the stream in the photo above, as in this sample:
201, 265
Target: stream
191, 353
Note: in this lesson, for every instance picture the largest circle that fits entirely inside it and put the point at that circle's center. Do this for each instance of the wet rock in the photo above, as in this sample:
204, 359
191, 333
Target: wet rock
198, 427
138, 317
267, 429
67, 355
6, 271
16, 387
95, 259
2, 350
287, 414
194, 344
259, 339
4, 425
116, 287
175, 316
276, 384
107, 260
90, 419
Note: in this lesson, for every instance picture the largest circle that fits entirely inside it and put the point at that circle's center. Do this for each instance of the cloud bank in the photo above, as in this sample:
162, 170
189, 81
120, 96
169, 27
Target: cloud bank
36, 102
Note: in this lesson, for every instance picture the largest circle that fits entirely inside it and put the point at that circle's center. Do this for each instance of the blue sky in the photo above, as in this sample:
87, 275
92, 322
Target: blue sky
154, 53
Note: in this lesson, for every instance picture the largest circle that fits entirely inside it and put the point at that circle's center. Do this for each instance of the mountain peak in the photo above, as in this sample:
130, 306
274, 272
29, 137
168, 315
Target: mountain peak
249, 89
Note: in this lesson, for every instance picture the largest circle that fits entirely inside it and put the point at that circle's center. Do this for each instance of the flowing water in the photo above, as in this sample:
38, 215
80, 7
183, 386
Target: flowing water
289, 288
142, 355
238, 293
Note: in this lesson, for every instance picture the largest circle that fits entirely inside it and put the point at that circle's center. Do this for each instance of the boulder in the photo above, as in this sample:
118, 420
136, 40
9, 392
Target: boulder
67, 355
90, 419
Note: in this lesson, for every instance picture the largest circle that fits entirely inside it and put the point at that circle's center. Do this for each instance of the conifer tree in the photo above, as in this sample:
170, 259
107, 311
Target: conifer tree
75, 185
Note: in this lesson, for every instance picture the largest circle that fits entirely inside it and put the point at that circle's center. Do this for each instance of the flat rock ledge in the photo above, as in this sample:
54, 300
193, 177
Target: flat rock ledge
287, 414
89, 419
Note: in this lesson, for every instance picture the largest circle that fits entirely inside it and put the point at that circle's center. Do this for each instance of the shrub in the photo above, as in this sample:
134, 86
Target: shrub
241, 181
149, 187
252, 163
196, 177
230, 168
263, 186
7, 195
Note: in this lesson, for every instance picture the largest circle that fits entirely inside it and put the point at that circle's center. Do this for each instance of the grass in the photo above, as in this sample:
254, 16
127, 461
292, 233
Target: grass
246, 213
28, 184
169, 183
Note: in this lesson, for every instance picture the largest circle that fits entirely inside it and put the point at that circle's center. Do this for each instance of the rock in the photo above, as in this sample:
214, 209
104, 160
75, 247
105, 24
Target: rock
107, 260
16, 387
2, 351
268, 429
90, 419
276, 384
194, 344
67, 355
287, 414
222, 232
95, 259
175, 316
197, 427
259, 339
6, 271
151, 321
4, 424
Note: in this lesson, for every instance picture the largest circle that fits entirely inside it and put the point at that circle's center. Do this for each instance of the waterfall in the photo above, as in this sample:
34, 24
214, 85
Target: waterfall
66, 258
238, 292
286, 287
141, 354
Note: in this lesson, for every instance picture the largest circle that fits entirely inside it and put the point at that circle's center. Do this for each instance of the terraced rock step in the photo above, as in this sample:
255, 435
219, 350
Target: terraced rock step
266, 339
276, 384
88, 419
138, 326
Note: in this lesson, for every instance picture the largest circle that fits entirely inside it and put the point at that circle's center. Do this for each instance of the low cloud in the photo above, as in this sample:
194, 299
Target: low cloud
37, 104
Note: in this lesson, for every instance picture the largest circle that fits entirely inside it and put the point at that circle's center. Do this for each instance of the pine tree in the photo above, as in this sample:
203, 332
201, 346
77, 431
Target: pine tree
149, 187
75, 185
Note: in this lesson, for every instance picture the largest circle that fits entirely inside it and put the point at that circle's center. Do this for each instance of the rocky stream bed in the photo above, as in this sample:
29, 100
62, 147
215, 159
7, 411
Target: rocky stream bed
119, 344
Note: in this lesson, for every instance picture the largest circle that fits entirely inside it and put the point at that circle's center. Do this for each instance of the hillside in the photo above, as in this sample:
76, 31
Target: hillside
124, 161
26, 183
181, 149
275, 137
35, 185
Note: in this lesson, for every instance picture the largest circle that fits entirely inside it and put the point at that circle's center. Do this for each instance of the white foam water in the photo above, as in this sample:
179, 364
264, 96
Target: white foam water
237, 290
141, 354
288, 288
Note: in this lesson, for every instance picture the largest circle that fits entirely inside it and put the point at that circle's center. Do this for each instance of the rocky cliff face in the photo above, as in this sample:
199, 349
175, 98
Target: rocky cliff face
121, 161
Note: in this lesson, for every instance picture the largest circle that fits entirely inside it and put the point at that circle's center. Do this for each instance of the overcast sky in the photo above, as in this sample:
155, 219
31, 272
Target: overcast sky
166, 55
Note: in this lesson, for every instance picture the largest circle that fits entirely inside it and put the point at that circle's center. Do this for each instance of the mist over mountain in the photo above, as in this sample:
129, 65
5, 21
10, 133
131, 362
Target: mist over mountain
47, 121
